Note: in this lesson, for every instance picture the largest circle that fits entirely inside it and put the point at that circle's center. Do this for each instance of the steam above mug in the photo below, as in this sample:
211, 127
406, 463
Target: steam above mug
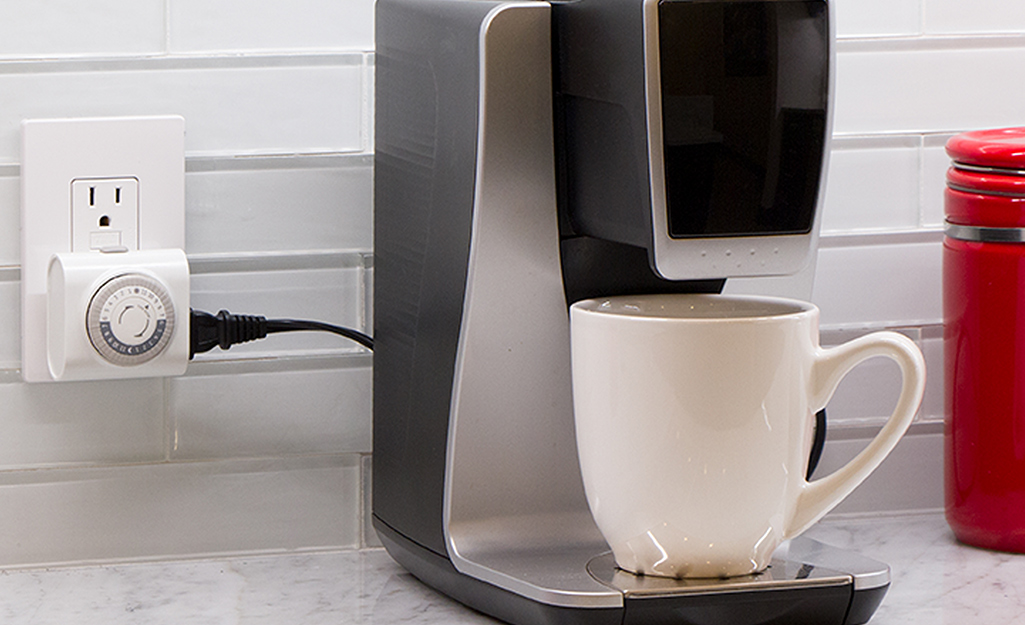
694, 421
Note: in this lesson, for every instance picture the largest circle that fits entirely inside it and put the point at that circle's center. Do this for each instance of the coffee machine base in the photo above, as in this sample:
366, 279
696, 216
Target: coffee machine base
808, 583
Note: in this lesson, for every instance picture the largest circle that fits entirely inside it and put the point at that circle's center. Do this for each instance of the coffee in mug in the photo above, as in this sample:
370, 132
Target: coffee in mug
695, 418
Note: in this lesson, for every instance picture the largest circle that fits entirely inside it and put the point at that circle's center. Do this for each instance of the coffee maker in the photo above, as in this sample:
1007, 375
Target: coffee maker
530, 154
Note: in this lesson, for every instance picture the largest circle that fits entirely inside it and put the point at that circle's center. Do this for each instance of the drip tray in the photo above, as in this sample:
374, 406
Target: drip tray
781, 574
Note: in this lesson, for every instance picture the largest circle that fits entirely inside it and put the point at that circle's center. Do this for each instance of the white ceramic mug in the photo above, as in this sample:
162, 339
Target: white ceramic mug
694, 421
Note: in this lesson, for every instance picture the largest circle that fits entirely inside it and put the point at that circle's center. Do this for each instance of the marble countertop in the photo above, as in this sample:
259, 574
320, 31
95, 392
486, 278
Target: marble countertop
934, 580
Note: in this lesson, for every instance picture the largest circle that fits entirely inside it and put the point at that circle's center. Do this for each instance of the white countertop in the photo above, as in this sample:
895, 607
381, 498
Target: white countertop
934, 580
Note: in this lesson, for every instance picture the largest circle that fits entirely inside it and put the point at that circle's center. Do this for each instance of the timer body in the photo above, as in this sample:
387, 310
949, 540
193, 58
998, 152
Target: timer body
117, 315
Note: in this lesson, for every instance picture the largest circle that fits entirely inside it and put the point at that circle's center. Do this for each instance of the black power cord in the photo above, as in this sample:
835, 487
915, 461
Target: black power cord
226, 329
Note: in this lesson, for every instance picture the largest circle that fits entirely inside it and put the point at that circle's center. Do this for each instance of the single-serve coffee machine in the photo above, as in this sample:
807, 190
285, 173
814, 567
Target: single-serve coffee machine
531, 154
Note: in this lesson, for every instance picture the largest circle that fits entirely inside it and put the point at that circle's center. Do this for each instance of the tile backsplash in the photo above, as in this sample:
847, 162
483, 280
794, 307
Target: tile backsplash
266, 447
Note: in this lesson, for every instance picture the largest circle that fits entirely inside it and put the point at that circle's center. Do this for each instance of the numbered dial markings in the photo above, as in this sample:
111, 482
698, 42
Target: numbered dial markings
130, 319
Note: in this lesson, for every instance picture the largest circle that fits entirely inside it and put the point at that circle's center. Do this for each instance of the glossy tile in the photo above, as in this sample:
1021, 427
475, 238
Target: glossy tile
329, 294
933, 405
935, 163
867, 394
879, 285
271, 413
955, 17
170, 510
10, 220
370, 538
932, 86
911, 477
279, 204
877, 18
81, 423
231, 106
10, 312
66, 27
872, 185
229, 25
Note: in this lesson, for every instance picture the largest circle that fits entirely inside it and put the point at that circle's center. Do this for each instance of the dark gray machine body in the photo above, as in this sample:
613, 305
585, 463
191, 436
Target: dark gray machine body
479, 245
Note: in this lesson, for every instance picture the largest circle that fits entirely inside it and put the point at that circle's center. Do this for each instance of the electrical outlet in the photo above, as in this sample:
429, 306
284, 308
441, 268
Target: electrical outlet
104, 214
89, 185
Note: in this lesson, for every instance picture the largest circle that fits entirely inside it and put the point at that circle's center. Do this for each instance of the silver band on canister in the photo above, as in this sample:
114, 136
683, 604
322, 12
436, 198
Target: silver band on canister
984, 234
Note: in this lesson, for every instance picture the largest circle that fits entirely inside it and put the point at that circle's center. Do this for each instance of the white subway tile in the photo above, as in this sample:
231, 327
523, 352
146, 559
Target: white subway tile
283, 206
81, 423
979, 16
370, 538
877, 18
871, 187
934, 402
867, 394
10, 220
911, 477
232, 25
29, 28
891, 285
172, 510
271, 413
230, 106
10, 329
942, 88
935, 163
332, 295
369, 85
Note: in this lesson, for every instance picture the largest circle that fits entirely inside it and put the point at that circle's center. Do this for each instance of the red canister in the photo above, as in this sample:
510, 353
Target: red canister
984, 338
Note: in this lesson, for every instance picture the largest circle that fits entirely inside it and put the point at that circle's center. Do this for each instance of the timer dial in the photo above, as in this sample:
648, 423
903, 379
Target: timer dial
130, 319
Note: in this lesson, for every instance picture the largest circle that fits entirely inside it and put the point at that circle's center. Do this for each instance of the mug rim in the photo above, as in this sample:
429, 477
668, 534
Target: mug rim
715, 308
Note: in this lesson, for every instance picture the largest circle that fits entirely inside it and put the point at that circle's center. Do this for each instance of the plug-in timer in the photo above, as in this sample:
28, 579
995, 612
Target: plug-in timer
130, 319
117, 314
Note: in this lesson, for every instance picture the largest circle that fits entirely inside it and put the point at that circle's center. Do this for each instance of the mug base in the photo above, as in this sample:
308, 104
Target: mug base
699, 572
664, 552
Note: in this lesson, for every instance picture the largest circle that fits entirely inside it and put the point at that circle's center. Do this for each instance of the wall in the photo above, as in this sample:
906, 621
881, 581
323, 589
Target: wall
910, 74
265, 447
260, 448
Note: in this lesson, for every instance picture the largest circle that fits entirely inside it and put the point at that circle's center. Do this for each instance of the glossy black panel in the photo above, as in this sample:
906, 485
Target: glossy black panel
744, 97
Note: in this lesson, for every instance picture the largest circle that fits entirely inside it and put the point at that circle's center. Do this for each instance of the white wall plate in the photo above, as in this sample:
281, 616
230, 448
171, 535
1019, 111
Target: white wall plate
56, 153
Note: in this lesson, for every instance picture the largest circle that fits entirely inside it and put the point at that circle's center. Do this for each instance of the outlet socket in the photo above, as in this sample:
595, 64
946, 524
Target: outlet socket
62, 160
104, 214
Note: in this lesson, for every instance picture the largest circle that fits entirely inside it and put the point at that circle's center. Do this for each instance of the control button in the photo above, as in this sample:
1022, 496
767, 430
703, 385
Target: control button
130, 319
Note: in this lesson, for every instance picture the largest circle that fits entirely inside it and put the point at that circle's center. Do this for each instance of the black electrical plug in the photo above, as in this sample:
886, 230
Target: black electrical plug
226, 329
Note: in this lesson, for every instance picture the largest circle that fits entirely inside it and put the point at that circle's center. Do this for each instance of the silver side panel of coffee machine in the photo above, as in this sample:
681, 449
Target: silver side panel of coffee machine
515, 510
477, 489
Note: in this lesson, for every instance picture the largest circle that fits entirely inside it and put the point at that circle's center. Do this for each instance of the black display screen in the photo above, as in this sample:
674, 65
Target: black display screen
744, 90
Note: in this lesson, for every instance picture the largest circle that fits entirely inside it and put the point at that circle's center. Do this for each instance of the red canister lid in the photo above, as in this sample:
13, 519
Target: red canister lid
987, 182
1002, 148
986, 185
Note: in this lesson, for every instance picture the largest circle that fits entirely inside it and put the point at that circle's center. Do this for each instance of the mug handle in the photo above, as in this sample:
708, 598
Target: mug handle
831, 365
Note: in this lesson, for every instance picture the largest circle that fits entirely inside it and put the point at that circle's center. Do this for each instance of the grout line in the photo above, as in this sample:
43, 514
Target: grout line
213, 162
847, 517
257, 162
868, 428
930, 42
347, 358
888, 237
40, 473
181, 61
233, 262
